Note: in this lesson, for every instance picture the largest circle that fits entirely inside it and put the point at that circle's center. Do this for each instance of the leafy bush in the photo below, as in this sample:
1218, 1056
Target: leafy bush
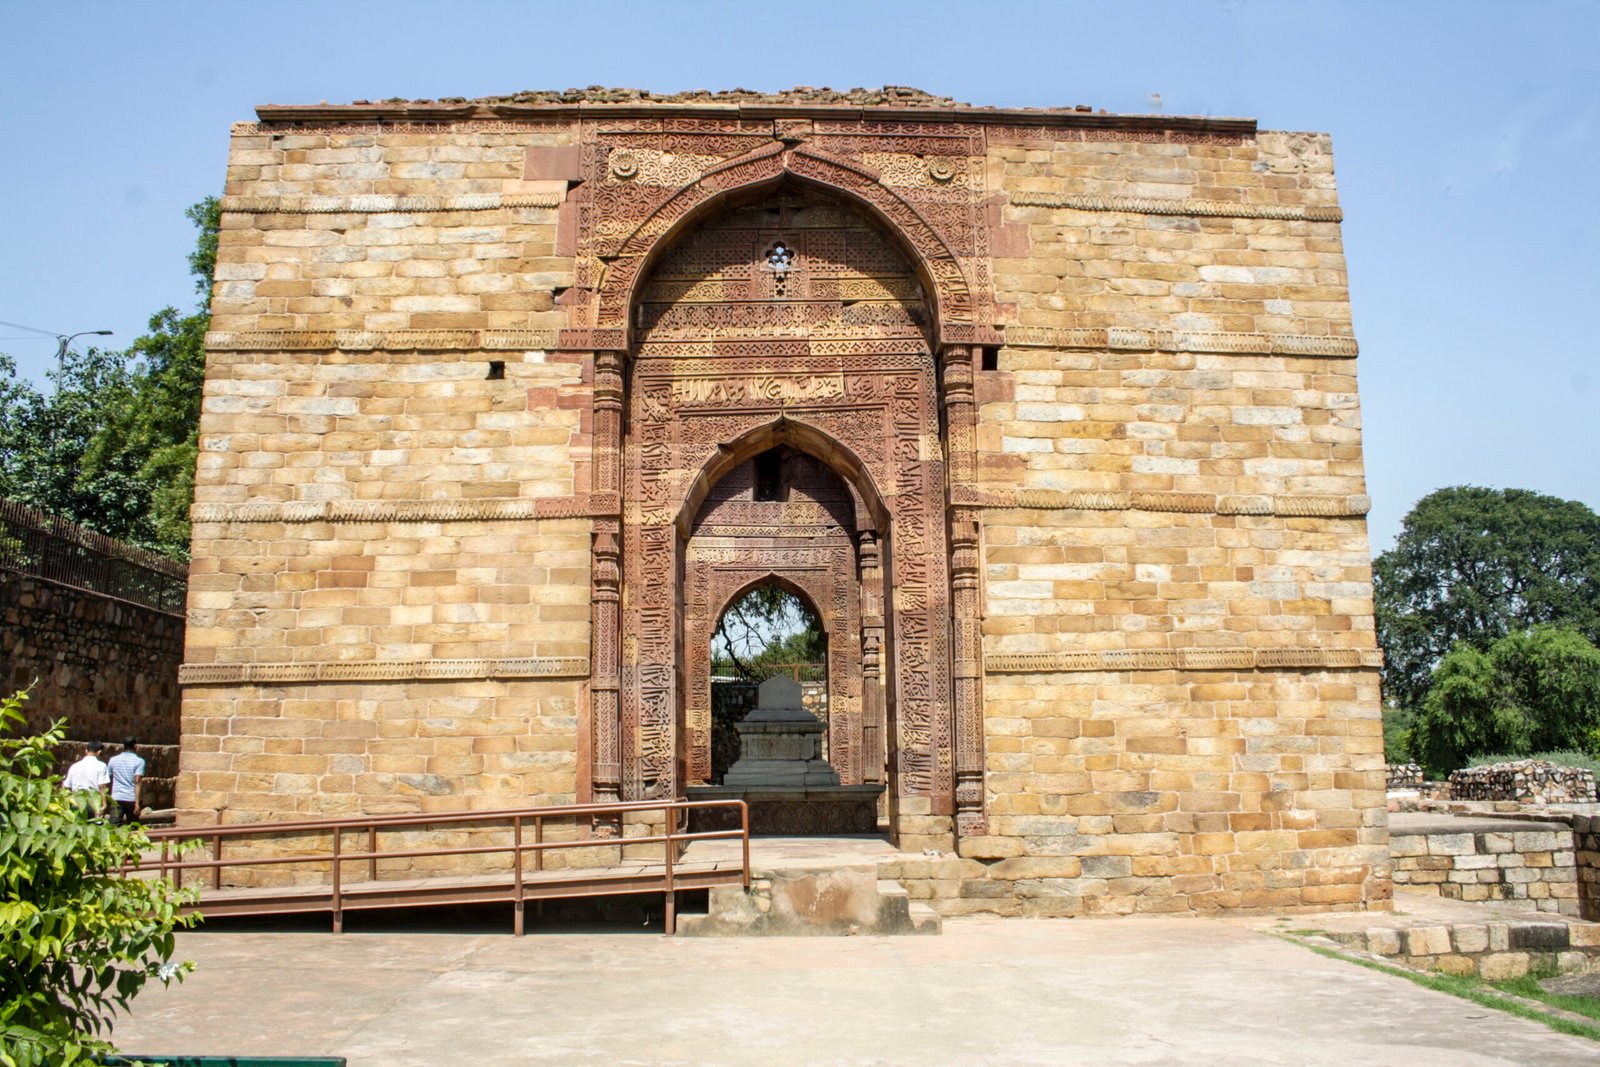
77, 940
1533, 691
1397, 724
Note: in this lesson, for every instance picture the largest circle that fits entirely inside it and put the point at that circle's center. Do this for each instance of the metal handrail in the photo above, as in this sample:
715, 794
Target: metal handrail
337, 857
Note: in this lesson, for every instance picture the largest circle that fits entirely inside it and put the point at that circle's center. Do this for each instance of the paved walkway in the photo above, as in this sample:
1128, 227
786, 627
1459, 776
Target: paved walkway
1114, 991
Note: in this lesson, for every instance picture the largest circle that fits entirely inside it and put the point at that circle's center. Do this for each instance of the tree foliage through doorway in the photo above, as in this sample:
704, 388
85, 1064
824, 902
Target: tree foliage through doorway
766, 629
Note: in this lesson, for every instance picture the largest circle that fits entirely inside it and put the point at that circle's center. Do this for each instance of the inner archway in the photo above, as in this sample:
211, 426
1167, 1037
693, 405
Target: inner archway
769, 629
770, 582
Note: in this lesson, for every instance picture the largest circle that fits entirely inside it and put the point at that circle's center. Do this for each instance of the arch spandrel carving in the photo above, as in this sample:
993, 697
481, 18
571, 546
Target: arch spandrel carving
661, 219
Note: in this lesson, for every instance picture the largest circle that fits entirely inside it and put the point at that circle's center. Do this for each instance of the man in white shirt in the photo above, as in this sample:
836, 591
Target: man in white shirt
127, 770
89, 775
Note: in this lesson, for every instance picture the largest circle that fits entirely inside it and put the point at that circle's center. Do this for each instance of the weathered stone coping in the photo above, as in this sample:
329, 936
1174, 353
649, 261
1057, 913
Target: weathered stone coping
1184, 659
1179, 127
1139, 339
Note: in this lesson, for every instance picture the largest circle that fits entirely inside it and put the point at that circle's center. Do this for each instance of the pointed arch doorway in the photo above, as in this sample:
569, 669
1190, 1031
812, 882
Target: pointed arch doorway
788, 319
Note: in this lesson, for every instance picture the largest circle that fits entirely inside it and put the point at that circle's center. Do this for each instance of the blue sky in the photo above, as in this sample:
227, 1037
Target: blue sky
1466, 137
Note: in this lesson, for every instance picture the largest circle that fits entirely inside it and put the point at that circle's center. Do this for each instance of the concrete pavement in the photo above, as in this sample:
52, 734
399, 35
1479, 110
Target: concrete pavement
1115, 991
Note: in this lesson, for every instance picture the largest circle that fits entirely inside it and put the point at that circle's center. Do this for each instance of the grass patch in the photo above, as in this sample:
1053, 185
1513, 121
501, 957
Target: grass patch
1528, 986
1481, 993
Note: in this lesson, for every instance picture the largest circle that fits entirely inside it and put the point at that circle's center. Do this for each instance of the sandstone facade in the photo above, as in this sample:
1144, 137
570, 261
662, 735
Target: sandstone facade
1067, 402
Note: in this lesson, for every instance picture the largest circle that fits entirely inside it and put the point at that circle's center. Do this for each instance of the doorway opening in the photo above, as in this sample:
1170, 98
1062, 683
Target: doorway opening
769, 630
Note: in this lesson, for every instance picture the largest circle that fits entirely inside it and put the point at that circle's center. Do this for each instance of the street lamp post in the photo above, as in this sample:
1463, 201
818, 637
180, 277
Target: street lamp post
62, 341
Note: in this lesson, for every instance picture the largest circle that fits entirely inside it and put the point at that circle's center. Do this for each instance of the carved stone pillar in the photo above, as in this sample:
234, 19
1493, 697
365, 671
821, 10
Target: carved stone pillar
966, 639
869, 557
606, 582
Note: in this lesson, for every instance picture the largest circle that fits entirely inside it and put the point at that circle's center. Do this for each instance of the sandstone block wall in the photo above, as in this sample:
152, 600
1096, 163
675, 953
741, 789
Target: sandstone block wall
1536, 867
1181, 695
406, 545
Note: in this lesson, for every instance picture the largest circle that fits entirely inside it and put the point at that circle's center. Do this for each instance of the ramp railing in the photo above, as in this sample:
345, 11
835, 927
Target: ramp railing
326, 842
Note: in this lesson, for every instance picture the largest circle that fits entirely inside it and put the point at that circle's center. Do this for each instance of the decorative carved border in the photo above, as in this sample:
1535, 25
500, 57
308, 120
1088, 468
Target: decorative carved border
582, 505
1353, 506
1185, 659
382, 671
1144, 205
1139, 340
389, 340
381, 205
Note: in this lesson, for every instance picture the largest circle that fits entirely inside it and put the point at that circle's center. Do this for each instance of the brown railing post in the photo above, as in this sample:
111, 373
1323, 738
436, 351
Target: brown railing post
744, 826
216, 858
338, 909
670, 921
165, 845
538, 839
516, 859
372, 847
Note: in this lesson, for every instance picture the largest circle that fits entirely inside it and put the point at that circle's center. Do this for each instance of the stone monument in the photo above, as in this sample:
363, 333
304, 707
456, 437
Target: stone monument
780, 742
781, 775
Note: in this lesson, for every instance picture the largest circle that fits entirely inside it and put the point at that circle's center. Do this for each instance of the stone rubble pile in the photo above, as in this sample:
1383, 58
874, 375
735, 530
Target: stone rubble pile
1404, 775
1525, 781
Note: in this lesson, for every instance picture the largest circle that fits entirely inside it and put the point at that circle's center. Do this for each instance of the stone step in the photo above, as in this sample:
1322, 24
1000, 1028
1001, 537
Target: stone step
824, 901
1492, 943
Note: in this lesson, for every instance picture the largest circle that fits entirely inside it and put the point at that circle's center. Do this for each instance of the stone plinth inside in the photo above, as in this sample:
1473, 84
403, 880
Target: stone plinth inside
782, 776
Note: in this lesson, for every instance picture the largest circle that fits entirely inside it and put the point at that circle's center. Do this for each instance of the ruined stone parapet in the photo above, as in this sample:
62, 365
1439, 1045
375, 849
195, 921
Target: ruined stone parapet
1404, 775
1525, 781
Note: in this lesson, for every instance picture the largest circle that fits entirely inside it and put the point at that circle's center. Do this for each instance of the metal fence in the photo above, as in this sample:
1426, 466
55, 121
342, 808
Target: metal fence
56, 550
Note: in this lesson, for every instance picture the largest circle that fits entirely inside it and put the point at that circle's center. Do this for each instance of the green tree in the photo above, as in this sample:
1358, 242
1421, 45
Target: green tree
114, 444
768, 625
1472, 565
77, 940
151, 432
44, 438
1532, 691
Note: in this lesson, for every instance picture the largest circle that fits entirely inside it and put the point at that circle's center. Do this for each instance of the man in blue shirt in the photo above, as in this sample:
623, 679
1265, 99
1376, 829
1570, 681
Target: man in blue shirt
127, 771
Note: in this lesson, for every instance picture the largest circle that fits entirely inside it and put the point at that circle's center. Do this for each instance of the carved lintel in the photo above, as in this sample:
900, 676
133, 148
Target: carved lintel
197, 674
385, 511
1352, 506
592, 339
380, 340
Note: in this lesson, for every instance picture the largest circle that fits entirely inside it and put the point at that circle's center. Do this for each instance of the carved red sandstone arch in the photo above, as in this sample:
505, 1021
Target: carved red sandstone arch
943, 277
774, 578
798, 434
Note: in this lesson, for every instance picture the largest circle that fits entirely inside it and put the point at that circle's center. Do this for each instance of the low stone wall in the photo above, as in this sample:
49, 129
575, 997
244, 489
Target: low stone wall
1586, 839
1494, 951
1404, 775
1526, 782
1534, 864
108, 666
